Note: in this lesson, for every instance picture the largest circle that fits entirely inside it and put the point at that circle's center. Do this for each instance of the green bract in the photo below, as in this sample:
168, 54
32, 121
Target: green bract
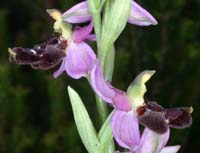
114, 21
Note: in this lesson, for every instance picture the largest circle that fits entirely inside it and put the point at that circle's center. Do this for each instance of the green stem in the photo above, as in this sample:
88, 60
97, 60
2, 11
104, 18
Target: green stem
102, 54
97, 27
102, 109
95, 9
109, 64
103, 49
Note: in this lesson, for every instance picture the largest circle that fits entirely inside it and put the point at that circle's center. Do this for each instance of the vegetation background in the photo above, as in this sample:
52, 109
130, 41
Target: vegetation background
35, 112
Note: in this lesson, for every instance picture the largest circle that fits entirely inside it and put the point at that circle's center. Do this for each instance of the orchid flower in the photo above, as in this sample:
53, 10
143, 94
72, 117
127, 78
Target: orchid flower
131, 108
80, 13
80, 57
77, 56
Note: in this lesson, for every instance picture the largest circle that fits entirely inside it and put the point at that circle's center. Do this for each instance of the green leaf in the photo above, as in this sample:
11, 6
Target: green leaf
105, 136
84, 124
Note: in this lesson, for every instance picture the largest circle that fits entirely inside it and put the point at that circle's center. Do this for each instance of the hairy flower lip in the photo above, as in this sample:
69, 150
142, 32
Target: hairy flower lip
43, 56
159, 119
19, 55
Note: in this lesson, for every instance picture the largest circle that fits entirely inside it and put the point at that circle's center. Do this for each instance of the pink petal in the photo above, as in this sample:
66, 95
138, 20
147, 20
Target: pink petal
60, 70
152, 142
107, 92
79, 13
99, 85
80, 34
80, 60
121, 101
140, 16
125, 129
92, 37
171, 149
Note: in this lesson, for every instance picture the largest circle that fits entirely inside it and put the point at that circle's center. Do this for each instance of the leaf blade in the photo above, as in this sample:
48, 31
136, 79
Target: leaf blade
84, 124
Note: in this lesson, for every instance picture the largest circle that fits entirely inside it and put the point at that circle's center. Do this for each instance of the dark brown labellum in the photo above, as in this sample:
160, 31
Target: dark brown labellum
24, 56
153, 106
155, 121
179, 117
158, 119
42, 56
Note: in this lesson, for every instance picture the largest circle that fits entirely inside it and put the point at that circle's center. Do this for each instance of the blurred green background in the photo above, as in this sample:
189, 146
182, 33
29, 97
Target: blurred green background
35, 112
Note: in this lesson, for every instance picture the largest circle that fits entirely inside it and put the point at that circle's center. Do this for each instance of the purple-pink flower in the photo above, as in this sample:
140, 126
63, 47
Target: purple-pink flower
76, 55
131, 109
69, 47
79, 60
80, 57
80, 13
